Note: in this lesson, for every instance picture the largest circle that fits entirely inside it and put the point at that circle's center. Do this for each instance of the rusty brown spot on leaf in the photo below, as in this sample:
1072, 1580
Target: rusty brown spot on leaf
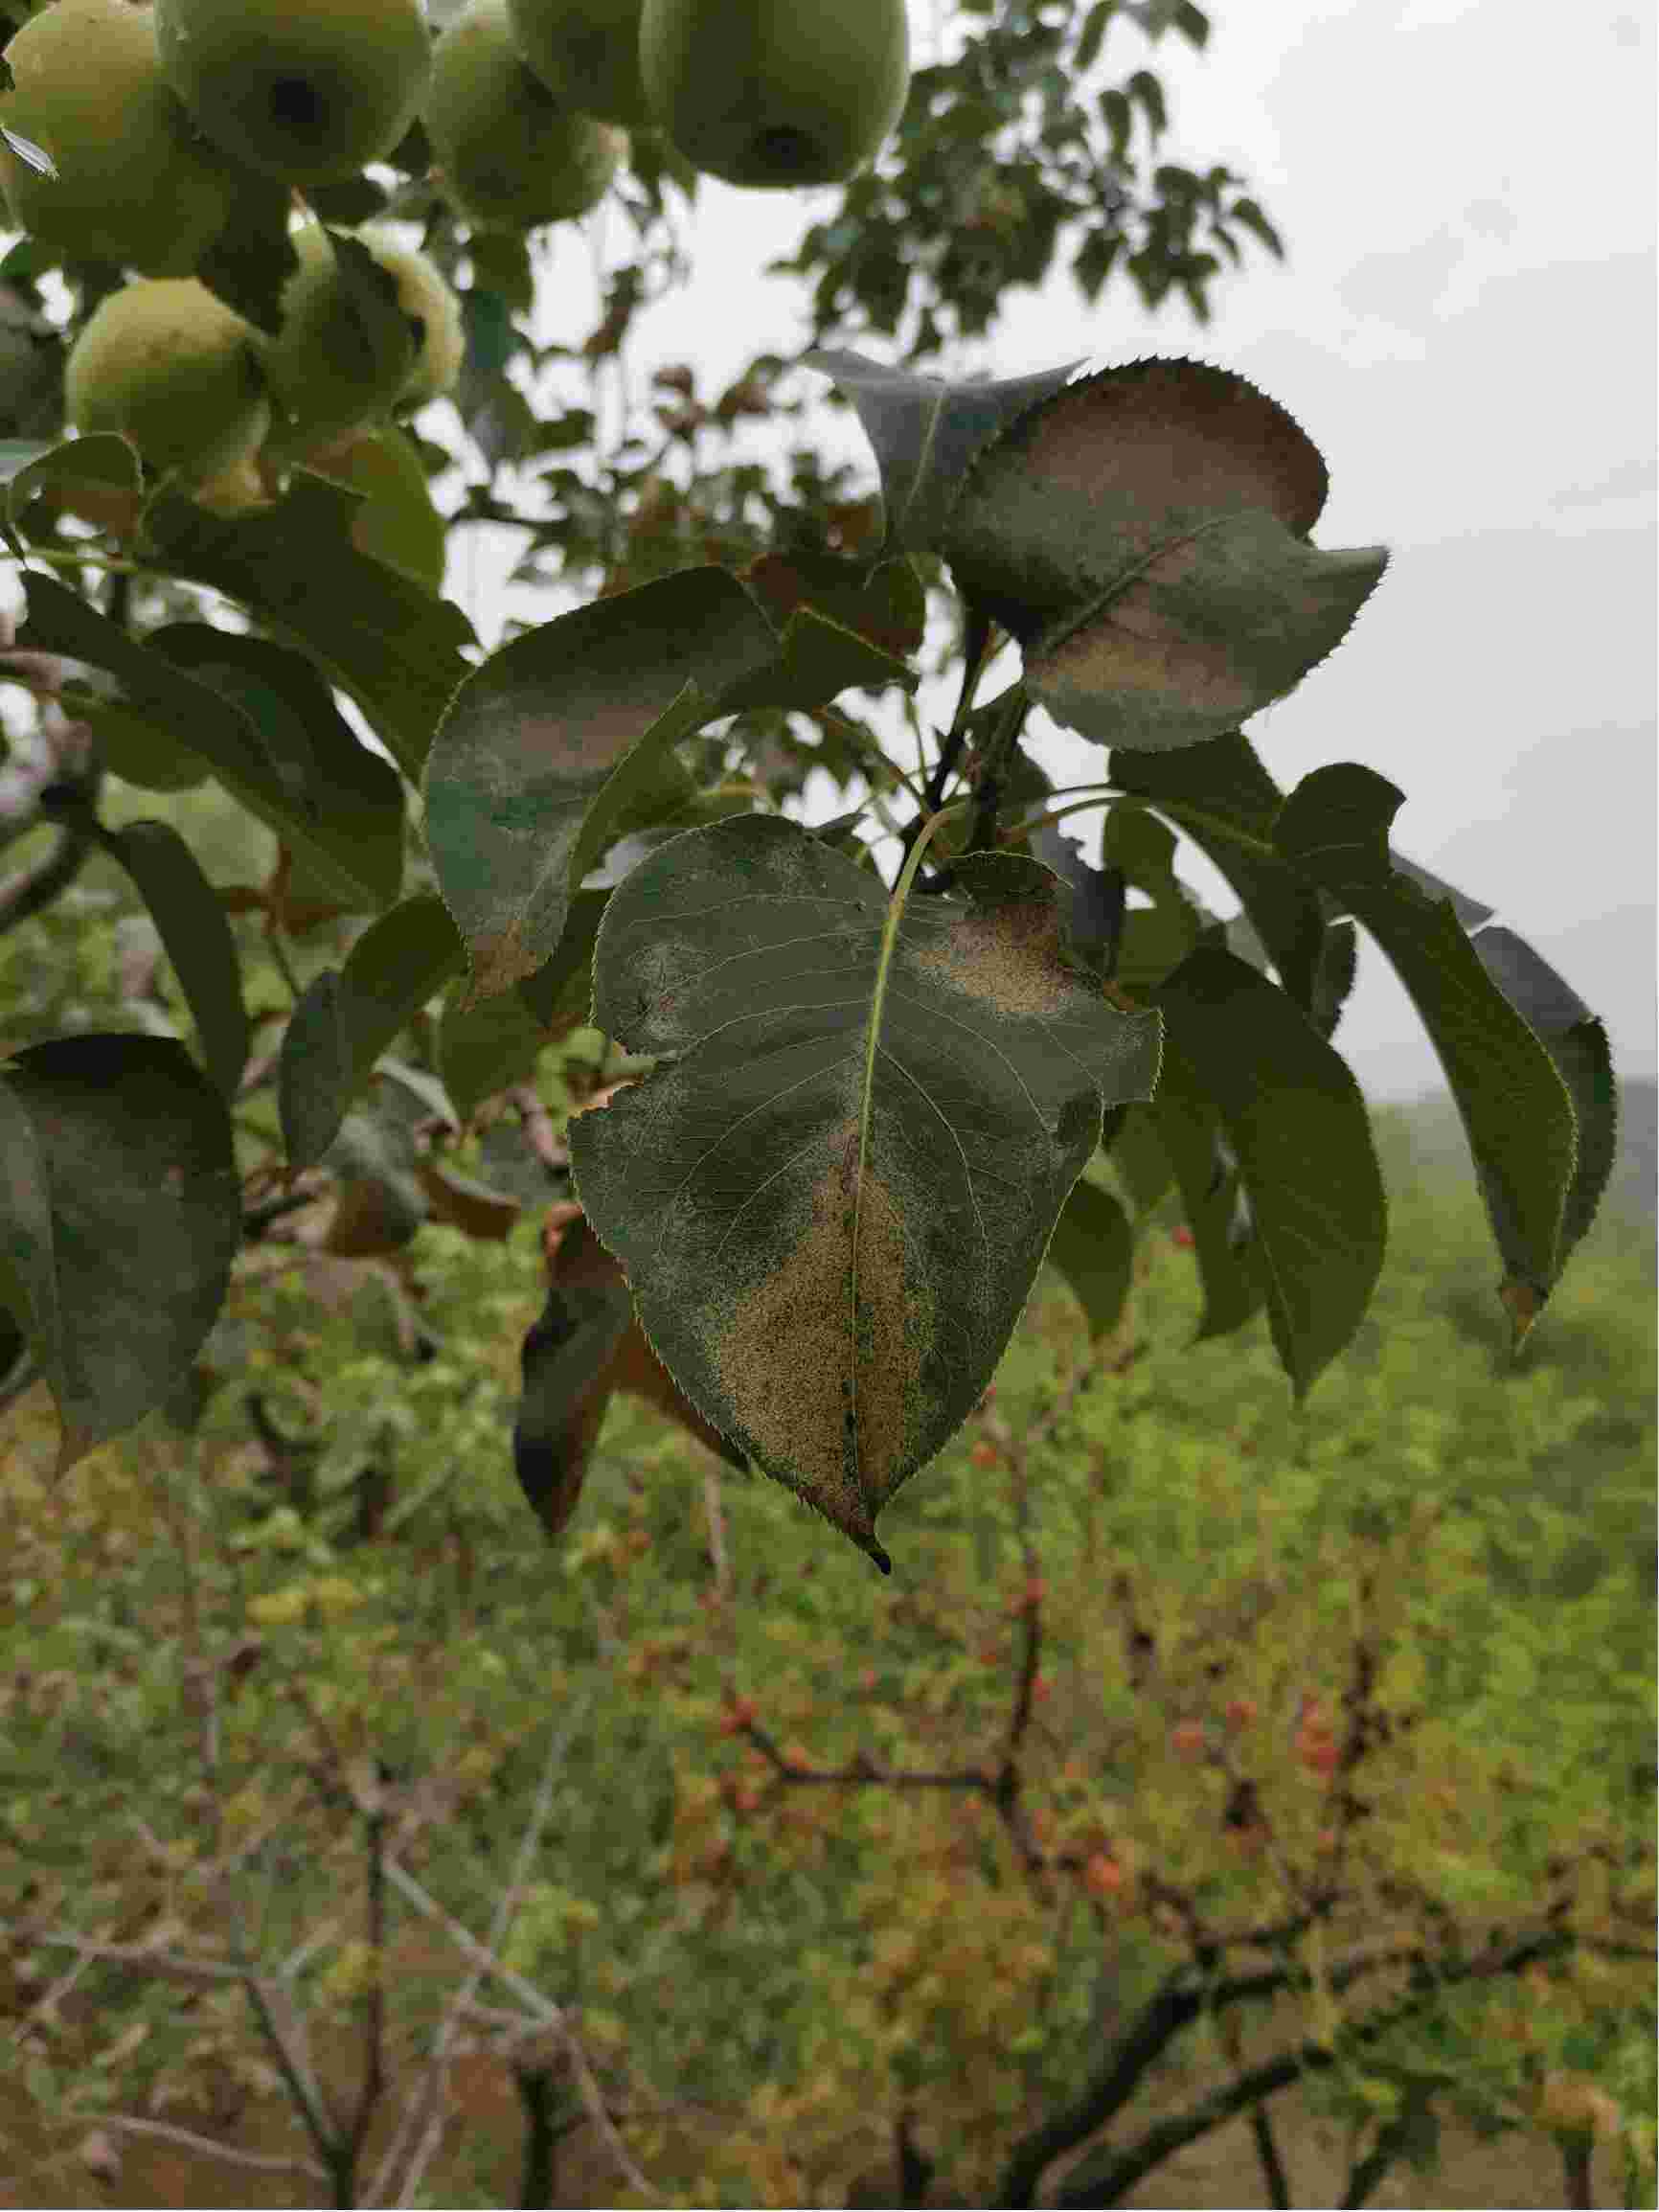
856, 1334
1009, 956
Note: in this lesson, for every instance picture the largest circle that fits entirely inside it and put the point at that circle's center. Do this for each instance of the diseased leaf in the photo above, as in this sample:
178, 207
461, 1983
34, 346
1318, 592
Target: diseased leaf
886, 606
1514, 1106
294, 566
833, 1194
1094, 1249
562, 741
196, 938
120, 1216
347, 1017
1296, 1123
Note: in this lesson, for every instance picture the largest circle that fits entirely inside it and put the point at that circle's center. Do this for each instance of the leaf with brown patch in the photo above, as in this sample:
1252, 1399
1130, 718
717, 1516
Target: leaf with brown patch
833, 1194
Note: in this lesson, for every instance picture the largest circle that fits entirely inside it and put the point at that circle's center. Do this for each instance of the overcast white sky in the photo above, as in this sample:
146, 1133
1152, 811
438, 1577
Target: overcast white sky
1465, 325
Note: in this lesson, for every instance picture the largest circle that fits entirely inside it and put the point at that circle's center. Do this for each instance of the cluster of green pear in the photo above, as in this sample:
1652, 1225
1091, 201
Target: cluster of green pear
154, 114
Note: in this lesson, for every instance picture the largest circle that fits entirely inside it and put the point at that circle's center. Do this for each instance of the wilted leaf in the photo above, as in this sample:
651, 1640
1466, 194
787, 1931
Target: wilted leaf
1514, 1106
834, 1198
472, 1207
563, 739
347, 1017
121, 1217
1295, 1121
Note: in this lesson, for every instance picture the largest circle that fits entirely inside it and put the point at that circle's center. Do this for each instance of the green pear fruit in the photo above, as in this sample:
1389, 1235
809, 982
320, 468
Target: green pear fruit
174, 369
136, 183
587, 53
776, 93
361, 335
431, 309
513, 156
303, 90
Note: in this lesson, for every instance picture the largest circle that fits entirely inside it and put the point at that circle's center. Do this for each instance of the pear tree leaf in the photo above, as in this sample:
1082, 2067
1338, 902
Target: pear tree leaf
1333, 977
347, 1017
562, 741
380, 1202
585, 1347
926, 434
1575, 1039
397, 523
485, 1214
1516, 1107
120, 1216
1222, 797
348, 827
833, 1191
1093, 1248
1139, 1161
1295, 1122
1184, 1120
495, 1042
294, 566
1144, 533
1225, 617
343, 812
97, 477
196, 935
252, 257
1098, 898
886, 606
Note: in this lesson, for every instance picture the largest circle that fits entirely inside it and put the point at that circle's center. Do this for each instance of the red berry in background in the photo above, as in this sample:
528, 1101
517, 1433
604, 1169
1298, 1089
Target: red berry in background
868, 1678
737, 1717
1102, 1876
1183, 1237
1186, 1738
1240, 1712
985, 1455
1318, 1753
1041, 1688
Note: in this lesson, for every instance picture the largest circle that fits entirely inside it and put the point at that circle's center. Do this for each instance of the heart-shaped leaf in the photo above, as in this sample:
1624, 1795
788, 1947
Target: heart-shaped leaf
120, 1216
1295, 1122
834, 1194
1515, 1108
294, 566
347, 1017
564, 738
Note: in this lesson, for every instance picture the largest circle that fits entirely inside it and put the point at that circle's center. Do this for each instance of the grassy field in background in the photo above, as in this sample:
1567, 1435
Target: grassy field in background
742, 1953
